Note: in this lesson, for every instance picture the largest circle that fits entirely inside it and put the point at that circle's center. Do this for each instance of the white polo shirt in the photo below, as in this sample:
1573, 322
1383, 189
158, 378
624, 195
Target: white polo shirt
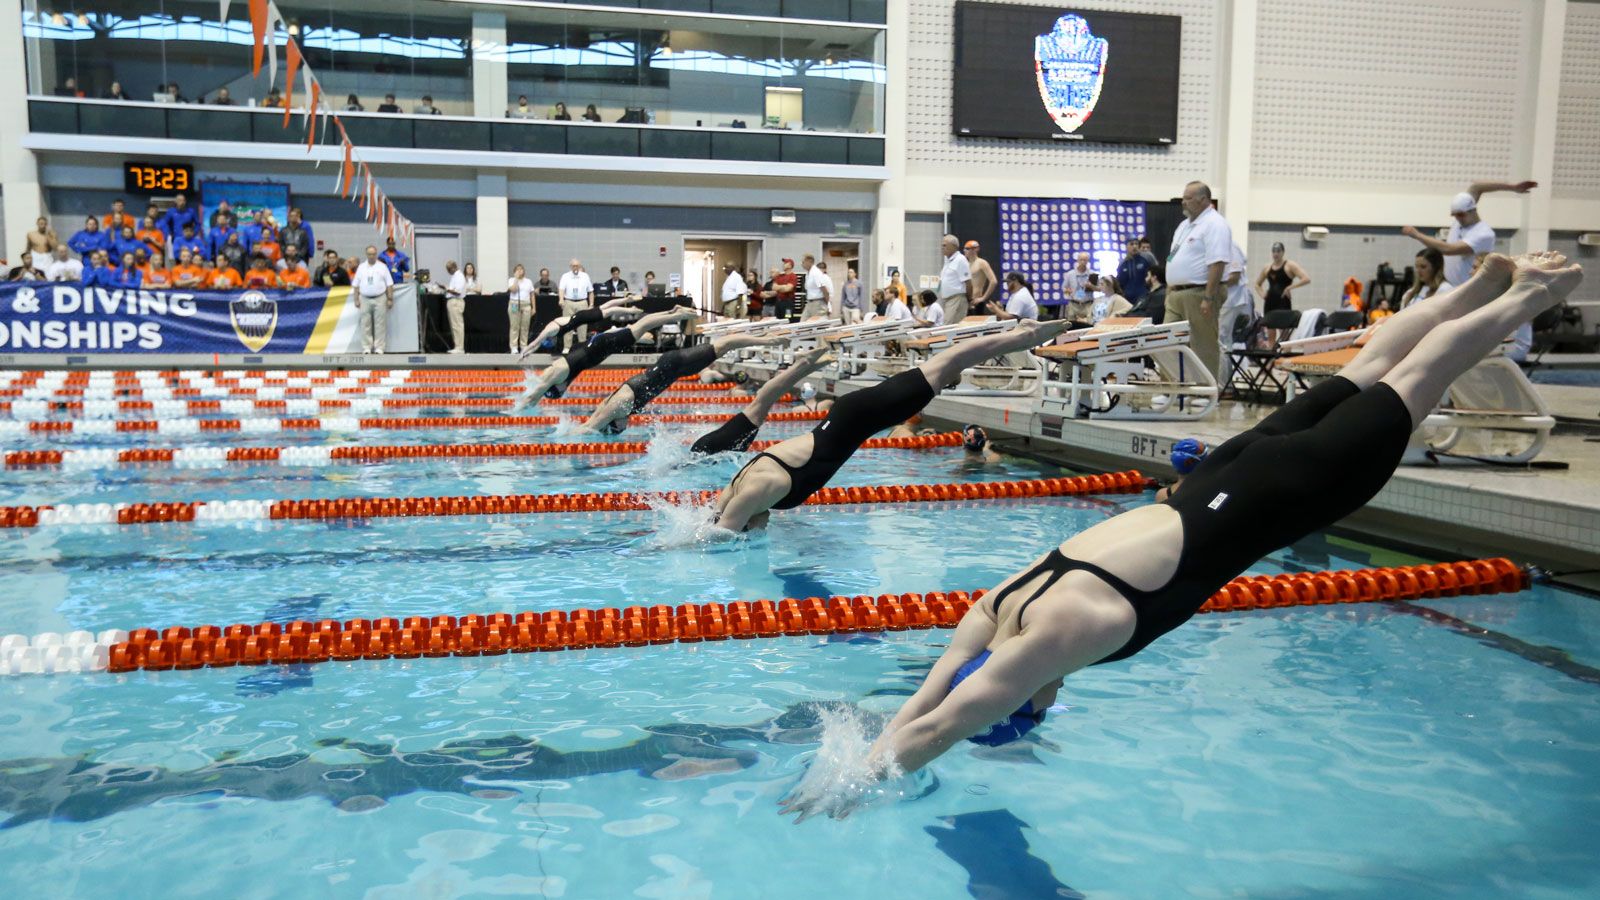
458, 284
1021, 304
64, 270
954, 276
519, 290
575, 286
1480, 237
372, 278
816, 279
933, 314
733, 287
1239, 295
896, 311
1196, 245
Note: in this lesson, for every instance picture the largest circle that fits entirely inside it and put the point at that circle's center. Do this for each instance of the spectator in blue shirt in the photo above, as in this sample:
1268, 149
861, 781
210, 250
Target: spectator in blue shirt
89, 239
126, 243
297, 234
217, 237
179, 216
250, 232
399, 263
126, 275
95, 271
1131, 272
224, 216
188, 239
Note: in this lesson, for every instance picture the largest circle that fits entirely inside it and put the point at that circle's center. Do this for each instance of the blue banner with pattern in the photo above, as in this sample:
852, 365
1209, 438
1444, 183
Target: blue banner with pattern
1039, 238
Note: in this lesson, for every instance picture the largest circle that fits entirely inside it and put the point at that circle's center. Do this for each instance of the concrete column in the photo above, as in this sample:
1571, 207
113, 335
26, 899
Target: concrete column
1238, 117
494, 230
19, 171
489, 100
1541, 102
889, 222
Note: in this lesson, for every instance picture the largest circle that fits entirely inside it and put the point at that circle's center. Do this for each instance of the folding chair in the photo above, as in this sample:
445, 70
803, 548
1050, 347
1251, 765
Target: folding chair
1252, 373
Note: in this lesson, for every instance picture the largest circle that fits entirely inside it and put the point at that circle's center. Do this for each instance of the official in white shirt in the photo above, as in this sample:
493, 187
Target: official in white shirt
455, 305
734, 292
374, 295
63, 267
819, 289
955, 280
519, 307
577, 293
1470, 236
1239, 305
1201, 250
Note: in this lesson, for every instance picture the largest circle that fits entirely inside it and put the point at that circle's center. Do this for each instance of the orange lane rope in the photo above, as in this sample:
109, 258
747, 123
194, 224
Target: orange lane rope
18, 459
295, 392
181, 647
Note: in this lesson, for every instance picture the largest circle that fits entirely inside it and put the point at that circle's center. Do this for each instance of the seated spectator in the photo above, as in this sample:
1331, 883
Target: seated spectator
88, 239
297, 233
260, 277
1427, 278
1108, 304
225, 278
181, 214
114, 92
97, 271
1019, 298
590, 114
176, 92
1153, 305
293, 273
352, 103
388, 105
522, 109
126, 274
63, 267
69, 88
127, 243
274, 99
250, 231
895, 309
232, 254
224, 216
141, 257
217, 236
189, 241
332, 272
26, 271
119, 217
426, 107
1382, 312
154, 274
223, 98
268, 246
188, 273
928, 313
561, 114
151, 235
42, 239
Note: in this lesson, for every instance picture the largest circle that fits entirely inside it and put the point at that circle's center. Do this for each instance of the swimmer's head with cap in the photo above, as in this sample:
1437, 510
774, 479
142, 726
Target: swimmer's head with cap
1187, 454
1012, 727
615, 426
808, 391
974, 438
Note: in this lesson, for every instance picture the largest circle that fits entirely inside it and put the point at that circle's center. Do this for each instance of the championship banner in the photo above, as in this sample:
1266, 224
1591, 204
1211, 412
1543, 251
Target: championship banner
1039, 238
41, 317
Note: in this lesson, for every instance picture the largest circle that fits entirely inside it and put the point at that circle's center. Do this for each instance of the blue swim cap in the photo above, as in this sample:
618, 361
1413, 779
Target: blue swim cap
1013, 726
1187, 454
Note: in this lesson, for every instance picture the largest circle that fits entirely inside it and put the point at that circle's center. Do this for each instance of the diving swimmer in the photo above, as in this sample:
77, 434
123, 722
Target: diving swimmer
1107, 592
633, 395
784, 476
740, 430
554, 379
612, 313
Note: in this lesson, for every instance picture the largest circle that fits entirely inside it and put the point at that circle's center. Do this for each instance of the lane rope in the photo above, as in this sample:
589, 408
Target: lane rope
106, 457
40, 410
303, 641
525, 504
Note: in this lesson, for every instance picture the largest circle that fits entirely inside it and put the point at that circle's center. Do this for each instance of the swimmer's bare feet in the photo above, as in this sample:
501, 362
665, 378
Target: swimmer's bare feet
1549, 271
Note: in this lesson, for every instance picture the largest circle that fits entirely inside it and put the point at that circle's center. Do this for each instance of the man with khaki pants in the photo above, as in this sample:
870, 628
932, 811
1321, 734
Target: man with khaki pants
955, 281
1201, 249
577, 293
455, 306
374, 295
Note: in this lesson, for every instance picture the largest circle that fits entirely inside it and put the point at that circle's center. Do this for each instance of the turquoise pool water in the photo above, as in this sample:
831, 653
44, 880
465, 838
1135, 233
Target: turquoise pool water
1438, 749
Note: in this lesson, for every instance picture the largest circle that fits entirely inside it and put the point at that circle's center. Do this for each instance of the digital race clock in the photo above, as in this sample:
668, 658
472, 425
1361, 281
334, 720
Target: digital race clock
155, 178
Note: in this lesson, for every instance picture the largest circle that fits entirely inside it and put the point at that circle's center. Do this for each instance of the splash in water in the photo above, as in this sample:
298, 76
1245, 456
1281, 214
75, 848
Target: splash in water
567, 426
666, 453
842, 776
684, 524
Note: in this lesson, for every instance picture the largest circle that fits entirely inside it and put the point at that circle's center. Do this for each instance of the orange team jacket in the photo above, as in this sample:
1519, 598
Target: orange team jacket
181, 274
260, 279
116, 226
225, 278
295, 278
152, 237
270, 249
153, 277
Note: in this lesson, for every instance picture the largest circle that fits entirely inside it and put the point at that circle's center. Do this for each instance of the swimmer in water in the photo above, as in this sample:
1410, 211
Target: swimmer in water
975, 441
611, 313
783, 477
1107, 592
740, 430
611, 416
554, 379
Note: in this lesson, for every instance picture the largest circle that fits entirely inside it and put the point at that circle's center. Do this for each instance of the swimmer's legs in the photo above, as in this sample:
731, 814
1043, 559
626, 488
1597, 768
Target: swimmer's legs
732, 342
1452, 348
647, 324
1405, 329
553, 375
945, 368
784, 382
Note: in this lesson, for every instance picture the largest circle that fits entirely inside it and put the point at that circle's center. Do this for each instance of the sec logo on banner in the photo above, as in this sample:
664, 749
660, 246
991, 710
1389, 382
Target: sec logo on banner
1070, 63
255, 317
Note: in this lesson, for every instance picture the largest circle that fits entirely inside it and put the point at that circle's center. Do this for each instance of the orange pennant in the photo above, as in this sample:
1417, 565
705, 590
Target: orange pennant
292, 54
316, 100
258, 31
348, 172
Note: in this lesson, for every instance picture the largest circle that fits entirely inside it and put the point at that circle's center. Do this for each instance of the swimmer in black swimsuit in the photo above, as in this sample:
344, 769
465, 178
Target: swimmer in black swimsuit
1107, 592
783, 477
612, 313
575, 362
740, 430
611, 416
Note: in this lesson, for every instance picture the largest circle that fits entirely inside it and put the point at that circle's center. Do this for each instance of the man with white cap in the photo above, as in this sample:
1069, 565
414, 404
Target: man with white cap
1470, 236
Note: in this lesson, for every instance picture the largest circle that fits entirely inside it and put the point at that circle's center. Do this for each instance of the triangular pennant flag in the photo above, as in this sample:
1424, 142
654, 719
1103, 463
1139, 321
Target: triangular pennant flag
347, 172
311, 131
223, 15
313, 90
258, 31
291, 55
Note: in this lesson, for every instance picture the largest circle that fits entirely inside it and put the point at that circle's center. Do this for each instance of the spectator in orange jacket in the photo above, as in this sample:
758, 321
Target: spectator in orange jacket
268, 246
118, 218
260, 276
186, 274
225, 278
154, 273
153, 237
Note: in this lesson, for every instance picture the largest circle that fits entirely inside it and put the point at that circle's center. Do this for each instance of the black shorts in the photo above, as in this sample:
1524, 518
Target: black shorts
671, 366
582, 359
738, 433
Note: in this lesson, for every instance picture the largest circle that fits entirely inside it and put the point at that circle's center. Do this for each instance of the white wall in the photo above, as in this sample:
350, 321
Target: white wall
1577, 169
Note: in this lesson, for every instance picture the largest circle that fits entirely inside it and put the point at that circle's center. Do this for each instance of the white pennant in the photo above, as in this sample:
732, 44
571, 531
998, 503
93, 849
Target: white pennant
305, 80
273, 18
223, 17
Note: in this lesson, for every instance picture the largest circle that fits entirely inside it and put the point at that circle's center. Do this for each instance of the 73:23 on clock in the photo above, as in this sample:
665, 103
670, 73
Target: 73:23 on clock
148, 178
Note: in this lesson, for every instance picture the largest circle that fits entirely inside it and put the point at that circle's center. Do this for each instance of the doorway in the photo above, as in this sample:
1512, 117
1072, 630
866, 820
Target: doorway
433, 249
703, 261
841, 255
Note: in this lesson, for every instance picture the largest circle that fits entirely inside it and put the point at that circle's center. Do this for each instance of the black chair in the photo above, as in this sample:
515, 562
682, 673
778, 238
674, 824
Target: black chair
1253, 373
1342, 320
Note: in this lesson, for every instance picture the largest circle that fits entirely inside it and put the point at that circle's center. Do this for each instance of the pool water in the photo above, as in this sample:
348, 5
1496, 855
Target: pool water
1438, 749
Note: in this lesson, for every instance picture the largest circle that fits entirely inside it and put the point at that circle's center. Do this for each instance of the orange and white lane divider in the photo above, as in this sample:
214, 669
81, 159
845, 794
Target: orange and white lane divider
193, 647
43, 410
106, 457
14, 430
51, 652
525, 504
204, 391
